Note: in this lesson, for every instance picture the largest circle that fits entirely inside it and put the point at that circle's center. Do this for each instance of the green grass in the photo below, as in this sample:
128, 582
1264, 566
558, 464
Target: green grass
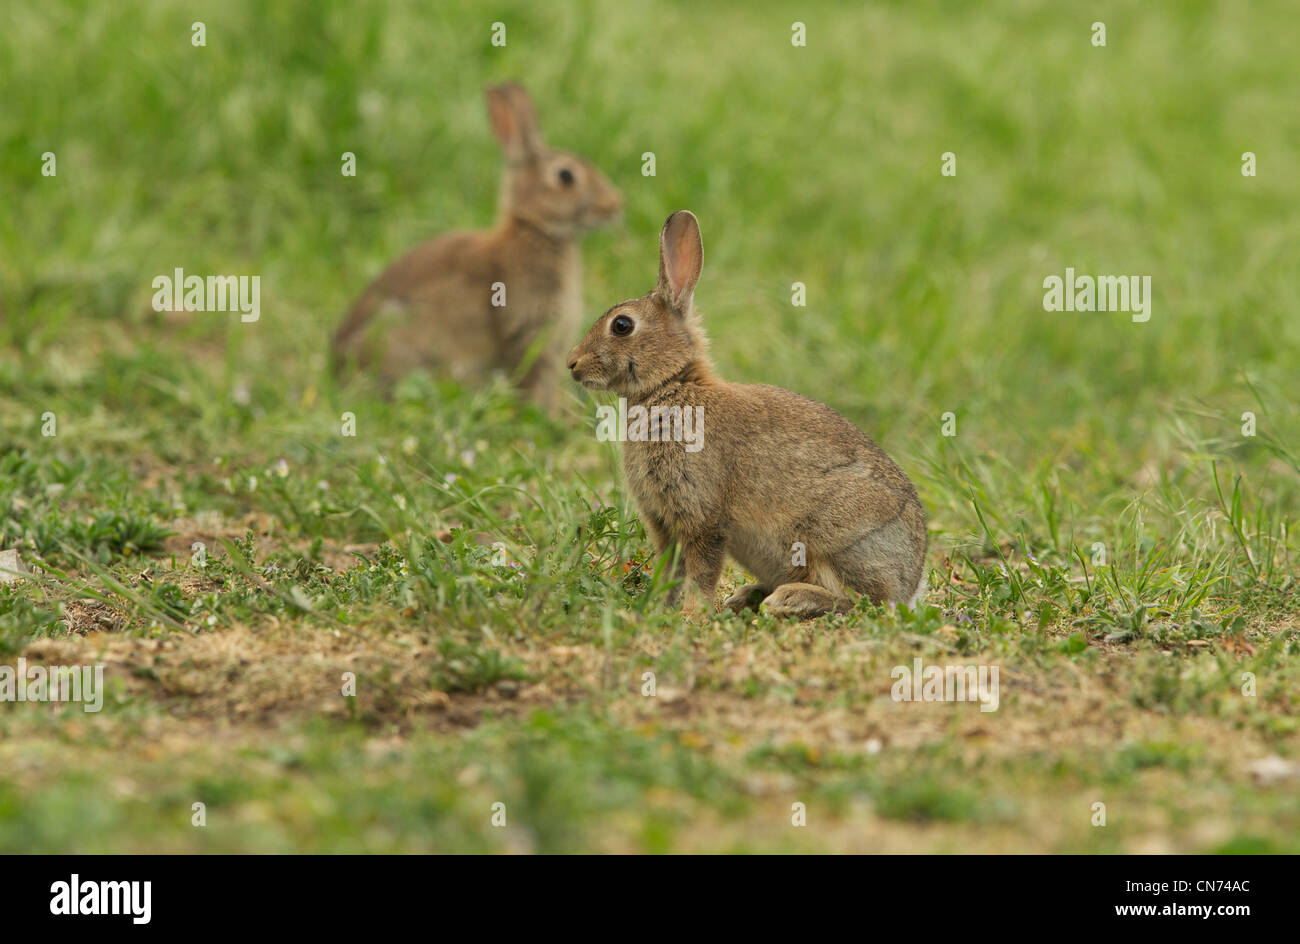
1101, 528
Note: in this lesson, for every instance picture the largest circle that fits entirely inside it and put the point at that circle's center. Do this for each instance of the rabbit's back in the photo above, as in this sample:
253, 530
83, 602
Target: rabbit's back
427, 308
791, 452
768, 454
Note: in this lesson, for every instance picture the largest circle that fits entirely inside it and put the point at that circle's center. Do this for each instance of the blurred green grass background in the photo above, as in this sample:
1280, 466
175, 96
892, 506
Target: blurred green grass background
816, 164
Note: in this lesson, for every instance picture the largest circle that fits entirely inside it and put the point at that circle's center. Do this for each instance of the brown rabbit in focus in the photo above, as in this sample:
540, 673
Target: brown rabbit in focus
471, 303
793, 491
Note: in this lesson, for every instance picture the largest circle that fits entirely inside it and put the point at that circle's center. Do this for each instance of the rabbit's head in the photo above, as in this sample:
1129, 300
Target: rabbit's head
640, 344
559, 193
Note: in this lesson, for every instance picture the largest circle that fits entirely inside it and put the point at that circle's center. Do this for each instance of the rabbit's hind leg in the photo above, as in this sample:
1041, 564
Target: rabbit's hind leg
804, 601
747, 597
820, 591
883, 565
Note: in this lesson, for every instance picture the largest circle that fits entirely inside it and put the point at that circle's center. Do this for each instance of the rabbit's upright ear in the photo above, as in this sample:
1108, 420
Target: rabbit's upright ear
681, 258
514, 121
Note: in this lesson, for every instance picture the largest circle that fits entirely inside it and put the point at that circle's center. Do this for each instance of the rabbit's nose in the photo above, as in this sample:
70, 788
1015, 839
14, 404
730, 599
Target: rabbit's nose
573, 362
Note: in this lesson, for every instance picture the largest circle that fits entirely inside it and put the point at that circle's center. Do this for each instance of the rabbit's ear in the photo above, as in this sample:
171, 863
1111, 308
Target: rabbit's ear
681, 257
514, 121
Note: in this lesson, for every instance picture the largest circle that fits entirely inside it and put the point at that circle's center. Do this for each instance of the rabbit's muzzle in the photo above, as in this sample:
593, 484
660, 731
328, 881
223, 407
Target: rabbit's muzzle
585, 370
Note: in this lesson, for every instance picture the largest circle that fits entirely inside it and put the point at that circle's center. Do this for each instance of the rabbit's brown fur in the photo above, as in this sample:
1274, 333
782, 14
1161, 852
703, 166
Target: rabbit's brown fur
774, 468
432, 308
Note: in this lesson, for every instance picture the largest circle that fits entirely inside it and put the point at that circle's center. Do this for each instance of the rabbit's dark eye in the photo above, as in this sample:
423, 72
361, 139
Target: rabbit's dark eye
566, 176
622, 325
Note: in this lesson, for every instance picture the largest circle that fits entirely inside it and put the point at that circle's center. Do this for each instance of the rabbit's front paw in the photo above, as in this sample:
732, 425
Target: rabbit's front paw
696, 607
